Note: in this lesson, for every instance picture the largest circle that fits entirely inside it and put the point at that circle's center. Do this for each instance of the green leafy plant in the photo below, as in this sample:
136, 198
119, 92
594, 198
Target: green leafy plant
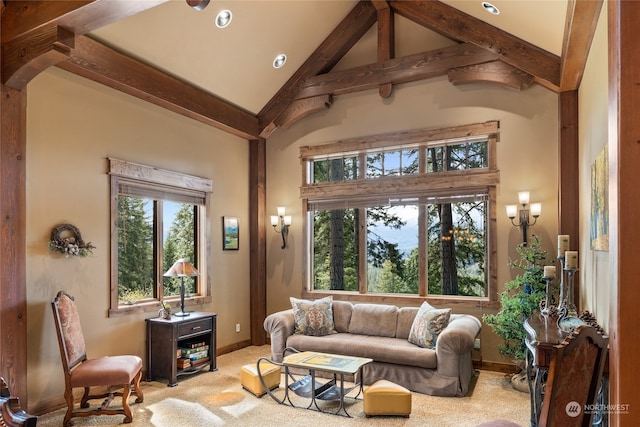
519, 299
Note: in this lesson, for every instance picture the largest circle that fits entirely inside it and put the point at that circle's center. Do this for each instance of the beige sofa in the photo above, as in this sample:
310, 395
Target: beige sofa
380, 332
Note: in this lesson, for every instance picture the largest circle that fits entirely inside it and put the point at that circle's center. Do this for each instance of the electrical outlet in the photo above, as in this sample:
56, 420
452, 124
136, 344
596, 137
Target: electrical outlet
476, 344
237, 327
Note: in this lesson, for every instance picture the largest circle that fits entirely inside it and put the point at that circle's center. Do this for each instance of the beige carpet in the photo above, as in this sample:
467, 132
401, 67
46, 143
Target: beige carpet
217, 399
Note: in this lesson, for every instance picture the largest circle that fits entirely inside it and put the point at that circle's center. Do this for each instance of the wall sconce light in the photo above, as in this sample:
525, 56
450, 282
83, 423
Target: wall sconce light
284, 221
524, 220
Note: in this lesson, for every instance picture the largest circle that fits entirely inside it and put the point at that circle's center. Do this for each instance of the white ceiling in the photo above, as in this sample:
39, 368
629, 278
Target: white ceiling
235, 63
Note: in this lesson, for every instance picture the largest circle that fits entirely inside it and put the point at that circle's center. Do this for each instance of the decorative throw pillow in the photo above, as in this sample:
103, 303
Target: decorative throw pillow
428, 324
313, 317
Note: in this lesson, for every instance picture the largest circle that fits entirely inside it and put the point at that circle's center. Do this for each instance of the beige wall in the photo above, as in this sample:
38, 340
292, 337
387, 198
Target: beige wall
593, 134
527, 159
73, 126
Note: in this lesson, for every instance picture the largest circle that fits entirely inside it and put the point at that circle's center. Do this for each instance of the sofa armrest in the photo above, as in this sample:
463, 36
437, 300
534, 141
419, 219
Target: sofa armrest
279, 326
455, 341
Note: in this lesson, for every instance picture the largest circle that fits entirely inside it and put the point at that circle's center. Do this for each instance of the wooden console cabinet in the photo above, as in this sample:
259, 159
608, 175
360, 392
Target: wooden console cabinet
166, 336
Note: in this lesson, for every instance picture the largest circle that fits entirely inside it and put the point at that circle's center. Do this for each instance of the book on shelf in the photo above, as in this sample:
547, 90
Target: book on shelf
193, 350
183, 363
199, 362
199, 355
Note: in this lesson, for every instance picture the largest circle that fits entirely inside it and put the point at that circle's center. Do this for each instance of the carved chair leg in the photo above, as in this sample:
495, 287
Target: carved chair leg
68, 396
84, 403
128, 417
136, 386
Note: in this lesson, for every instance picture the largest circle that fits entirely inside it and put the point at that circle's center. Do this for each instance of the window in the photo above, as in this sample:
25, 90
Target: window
158, 217
409, 215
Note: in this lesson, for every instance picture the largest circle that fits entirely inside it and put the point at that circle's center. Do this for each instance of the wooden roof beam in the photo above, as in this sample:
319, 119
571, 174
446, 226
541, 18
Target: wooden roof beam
386, 39
401, 70
456, 25
491, 72
324, 58
102, 64
581, 22
38, 34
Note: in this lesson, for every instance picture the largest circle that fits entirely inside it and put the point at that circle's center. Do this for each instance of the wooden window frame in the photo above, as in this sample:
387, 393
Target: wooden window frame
158, 181
485, 180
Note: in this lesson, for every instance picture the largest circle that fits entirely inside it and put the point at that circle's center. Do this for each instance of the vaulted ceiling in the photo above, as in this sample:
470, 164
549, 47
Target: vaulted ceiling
173, 55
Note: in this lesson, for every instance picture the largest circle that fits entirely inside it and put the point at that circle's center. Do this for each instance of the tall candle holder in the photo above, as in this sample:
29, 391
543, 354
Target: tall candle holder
546, 304
562, 293
569, 303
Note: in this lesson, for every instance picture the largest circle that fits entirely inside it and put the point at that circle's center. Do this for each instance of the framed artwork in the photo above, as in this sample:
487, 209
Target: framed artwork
599, 223
230, 233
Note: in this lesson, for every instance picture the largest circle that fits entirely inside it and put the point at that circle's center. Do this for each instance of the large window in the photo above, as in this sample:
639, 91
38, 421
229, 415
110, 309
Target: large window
158, 217
406, 214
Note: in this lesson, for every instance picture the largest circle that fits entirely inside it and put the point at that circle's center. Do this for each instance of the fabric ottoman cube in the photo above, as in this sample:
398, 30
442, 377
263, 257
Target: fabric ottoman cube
251, 381
387, 398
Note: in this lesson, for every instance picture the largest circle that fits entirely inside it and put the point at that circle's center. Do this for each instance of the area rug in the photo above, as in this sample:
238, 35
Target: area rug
217, 399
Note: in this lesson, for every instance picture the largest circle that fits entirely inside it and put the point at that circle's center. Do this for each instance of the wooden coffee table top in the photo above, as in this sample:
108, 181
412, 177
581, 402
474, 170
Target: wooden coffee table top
326, 362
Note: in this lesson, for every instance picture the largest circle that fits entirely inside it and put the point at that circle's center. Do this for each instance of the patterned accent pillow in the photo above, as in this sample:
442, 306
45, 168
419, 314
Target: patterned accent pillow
313, 317
428, 324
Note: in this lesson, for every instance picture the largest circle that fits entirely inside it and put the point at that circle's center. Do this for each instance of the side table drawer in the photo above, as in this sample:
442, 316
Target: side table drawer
196, 327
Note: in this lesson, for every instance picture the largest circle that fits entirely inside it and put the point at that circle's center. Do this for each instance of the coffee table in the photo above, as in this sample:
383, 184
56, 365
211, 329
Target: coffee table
309, 387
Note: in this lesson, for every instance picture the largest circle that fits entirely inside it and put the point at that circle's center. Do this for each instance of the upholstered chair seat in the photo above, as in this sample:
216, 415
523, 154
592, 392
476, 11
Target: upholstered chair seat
108, 373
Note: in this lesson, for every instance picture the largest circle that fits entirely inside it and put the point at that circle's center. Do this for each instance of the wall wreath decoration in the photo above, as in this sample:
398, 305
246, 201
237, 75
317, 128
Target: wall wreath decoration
66, 239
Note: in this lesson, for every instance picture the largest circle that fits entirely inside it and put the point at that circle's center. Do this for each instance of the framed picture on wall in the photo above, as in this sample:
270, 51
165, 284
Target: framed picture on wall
230, 233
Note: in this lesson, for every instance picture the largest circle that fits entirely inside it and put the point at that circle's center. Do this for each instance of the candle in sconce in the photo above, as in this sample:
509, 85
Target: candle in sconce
549, 272
563, 244
571, 259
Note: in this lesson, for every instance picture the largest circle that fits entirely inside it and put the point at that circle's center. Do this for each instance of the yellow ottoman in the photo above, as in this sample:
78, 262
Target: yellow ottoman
251, 382
386, 398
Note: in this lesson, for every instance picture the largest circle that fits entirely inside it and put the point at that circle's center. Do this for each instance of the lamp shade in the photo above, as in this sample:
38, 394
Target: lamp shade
182, 268
523, 197
536, 209
512, 211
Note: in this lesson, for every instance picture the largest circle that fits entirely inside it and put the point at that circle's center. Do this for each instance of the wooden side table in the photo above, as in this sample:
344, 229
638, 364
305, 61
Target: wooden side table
165, 336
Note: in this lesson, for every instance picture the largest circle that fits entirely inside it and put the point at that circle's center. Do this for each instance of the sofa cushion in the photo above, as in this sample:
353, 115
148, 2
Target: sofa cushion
374, 319
428, 324
406, 315
380, 349
313, 317
342, 315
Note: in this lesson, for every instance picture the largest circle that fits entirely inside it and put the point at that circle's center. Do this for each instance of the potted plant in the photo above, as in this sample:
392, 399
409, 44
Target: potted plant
519, 299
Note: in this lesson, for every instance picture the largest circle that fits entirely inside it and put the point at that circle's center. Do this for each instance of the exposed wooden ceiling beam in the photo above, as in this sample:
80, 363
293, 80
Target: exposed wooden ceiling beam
39, 34
491, 72
581, 23
102, 64
386, 41
454, 24
323, 59
77, 16
401, 70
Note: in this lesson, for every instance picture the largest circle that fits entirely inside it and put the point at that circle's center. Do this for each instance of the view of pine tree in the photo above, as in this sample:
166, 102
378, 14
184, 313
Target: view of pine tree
135, 248
136, 275
178, 244
455, 231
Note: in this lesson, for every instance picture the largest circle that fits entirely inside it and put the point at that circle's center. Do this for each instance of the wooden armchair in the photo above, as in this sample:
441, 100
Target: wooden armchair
108, 373
10, 413
575, 373
574, 376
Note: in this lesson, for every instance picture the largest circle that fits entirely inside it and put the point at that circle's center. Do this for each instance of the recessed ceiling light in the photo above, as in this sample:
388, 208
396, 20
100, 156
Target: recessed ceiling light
198, 4
223, 18
279, 61
490, 8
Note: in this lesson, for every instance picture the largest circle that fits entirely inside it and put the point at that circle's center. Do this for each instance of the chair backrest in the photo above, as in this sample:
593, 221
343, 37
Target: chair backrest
573, 380
70, 337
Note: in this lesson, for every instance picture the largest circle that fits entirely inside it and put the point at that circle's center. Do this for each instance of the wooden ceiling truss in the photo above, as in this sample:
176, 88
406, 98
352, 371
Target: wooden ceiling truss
39, 34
